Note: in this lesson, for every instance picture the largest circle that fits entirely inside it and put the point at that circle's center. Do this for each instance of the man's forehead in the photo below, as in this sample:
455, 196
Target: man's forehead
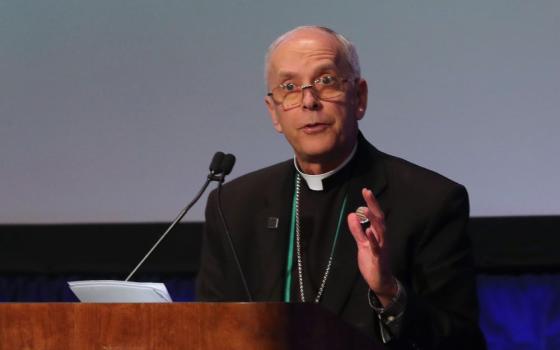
312, 43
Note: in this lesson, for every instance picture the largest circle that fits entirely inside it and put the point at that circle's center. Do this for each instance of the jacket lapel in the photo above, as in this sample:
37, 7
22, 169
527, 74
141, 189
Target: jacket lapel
367, 171
272, 239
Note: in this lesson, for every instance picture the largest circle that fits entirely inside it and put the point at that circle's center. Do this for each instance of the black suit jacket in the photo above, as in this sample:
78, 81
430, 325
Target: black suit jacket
426, 215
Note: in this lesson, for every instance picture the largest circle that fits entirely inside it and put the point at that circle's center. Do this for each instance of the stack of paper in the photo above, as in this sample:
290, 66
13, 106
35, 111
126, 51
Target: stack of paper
120, 292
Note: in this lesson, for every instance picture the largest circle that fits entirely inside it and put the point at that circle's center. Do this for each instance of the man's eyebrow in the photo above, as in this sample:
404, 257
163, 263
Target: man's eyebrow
286, 74
326, 67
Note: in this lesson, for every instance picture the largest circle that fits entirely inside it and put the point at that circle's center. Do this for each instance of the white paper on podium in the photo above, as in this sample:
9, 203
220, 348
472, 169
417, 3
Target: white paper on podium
120, 292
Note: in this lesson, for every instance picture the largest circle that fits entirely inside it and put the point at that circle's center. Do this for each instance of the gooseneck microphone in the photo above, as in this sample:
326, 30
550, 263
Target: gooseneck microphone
220, 166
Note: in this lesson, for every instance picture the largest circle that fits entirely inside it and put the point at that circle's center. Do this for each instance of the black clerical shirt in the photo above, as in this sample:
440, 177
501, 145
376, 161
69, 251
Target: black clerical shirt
320, 213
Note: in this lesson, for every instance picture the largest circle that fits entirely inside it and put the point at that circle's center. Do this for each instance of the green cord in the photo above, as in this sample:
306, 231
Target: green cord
290, 261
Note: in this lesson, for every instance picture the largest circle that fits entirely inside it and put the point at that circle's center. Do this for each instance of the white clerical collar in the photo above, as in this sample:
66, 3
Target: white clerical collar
315, 182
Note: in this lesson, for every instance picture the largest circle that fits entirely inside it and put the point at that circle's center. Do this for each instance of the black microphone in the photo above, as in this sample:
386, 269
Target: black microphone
225, 167
216, 174
217, 167
228, 163
216, 163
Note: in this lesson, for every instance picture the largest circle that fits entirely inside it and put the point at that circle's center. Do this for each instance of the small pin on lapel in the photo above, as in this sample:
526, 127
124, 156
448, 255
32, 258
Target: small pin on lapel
272, 222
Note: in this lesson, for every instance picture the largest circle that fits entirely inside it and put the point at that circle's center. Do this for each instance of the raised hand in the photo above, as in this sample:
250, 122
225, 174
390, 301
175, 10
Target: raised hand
373, 260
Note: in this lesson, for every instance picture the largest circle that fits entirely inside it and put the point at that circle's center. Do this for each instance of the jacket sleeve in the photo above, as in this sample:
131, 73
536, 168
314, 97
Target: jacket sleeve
442, 306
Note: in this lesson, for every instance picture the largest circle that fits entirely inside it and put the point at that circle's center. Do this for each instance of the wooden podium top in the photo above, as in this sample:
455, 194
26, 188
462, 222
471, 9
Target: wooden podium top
273, 326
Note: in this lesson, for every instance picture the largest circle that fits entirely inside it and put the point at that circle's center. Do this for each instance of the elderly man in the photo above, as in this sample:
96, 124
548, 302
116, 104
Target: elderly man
375, 239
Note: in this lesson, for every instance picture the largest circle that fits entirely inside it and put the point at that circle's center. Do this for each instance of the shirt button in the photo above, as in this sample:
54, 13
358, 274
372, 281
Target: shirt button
391, 318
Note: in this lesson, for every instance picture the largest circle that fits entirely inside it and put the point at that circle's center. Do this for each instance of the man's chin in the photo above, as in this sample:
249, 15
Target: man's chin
318, 155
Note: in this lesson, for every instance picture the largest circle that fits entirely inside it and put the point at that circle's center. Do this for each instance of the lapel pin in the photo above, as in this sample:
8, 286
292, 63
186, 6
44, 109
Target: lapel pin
272, 222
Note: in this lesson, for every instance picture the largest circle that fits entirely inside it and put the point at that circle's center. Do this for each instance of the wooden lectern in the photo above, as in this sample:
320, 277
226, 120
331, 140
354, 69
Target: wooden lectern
177, 326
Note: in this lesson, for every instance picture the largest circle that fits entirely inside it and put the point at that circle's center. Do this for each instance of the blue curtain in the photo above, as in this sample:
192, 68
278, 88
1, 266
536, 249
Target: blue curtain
520, 312
38, 288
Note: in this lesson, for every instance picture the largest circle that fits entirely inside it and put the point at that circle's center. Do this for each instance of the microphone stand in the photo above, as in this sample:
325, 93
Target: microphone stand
211, 177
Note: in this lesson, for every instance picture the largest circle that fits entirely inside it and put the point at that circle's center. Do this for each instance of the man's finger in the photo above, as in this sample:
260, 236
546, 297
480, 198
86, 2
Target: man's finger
356, 229
375, 216
372, 204
373, 242
379, 231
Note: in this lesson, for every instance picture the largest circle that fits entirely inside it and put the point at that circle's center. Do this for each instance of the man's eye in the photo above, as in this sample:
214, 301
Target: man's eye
327, 80
289, 86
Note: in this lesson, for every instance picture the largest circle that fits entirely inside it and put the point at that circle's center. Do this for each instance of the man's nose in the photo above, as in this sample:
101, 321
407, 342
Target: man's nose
309, 98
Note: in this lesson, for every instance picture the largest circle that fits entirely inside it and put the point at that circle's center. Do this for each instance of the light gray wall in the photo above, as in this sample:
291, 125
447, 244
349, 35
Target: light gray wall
110, 110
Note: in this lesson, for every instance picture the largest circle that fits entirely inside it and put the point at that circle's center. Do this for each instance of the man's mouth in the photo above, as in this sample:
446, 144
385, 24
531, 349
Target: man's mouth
314, 128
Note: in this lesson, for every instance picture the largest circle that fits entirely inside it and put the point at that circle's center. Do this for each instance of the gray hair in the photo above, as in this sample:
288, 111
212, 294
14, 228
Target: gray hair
350, 55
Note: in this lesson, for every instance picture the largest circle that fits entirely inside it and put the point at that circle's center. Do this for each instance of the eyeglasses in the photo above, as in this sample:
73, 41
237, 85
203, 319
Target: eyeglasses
290, 95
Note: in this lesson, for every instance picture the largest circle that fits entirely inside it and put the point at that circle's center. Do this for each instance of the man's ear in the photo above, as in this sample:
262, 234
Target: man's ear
271, 106
362, 98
